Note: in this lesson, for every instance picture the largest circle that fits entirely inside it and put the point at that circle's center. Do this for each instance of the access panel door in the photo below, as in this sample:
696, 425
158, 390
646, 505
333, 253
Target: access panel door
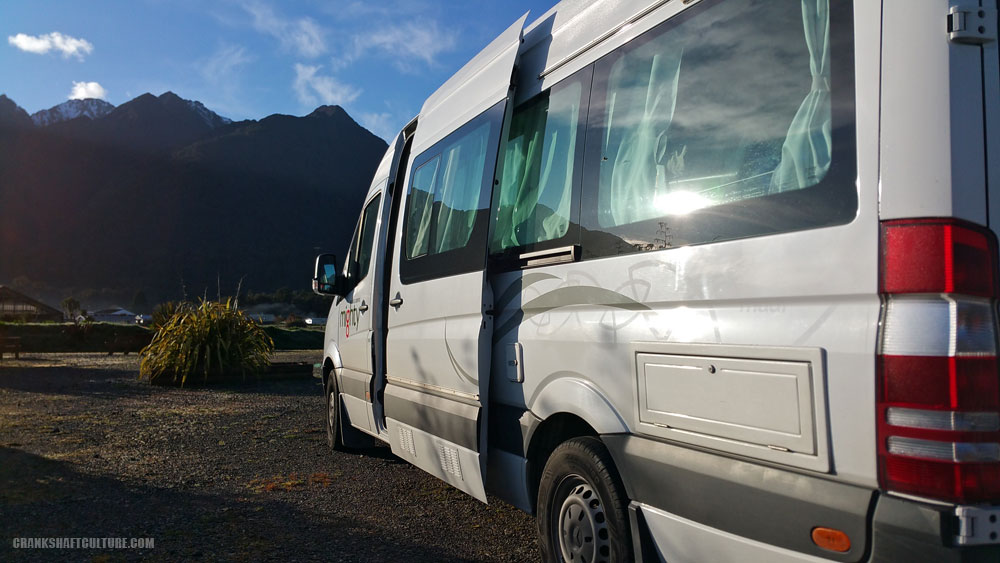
439, 329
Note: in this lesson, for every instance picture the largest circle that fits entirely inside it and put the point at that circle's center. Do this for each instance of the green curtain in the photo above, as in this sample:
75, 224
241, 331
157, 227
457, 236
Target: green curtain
461, 180
421, 208
520, 173
806, 153
536, 185
644, 108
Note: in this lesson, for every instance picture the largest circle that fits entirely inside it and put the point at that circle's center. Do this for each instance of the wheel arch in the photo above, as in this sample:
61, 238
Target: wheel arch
332, 362
567, 407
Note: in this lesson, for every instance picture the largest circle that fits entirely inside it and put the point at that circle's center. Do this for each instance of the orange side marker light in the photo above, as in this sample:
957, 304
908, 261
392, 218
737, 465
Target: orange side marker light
831, 539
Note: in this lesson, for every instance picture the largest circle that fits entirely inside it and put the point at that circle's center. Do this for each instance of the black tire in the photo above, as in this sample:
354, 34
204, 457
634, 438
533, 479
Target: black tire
582, 506
334, 435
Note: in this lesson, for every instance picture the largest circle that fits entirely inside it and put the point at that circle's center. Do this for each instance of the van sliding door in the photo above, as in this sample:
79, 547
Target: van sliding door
439, 333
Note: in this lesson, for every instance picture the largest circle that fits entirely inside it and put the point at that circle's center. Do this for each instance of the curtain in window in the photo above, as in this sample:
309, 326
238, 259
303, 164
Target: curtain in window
558, 154
421, 208
518, 183
645, 110
806, 153
536, 184
459, 190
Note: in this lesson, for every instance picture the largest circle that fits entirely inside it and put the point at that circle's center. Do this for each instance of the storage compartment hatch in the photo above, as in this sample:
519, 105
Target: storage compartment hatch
769, 403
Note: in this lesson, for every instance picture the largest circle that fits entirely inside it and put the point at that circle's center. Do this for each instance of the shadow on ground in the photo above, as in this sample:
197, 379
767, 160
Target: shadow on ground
44, 376
40, 497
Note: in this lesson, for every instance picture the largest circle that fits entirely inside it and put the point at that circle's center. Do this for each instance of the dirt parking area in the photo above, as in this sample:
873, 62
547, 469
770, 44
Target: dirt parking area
240, 472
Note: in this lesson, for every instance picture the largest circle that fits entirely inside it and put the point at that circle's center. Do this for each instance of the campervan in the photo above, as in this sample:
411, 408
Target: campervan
695, 280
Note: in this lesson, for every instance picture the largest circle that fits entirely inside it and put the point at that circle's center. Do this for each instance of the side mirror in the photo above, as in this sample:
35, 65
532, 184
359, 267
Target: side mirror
326, 279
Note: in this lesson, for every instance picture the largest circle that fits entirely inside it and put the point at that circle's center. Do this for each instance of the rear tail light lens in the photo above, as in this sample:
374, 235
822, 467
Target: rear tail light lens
938, 385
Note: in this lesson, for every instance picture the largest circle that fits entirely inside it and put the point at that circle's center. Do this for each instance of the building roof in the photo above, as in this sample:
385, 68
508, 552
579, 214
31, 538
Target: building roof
9, 294
118, 311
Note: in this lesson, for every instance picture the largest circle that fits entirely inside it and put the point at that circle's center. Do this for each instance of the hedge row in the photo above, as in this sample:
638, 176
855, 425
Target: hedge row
107, 337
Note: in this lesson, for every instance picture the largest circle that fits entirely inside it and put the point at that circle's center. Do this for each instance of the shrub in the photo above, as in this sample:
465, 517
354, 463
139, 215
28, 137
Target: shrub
164, 311
213, 339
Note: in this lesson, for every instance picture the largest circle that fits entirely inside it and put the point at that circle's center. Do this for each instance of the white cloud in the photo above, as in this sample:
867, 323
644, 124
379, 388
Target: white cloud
381, 124
84, 90
223, 75
303, 35
421, 41
41, 44
311, 87
382, 9
223, 65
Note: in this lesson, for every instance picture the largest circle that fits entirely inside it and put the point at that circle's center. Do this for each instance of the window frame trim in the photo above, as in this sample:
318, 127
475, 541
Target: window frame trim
472, 256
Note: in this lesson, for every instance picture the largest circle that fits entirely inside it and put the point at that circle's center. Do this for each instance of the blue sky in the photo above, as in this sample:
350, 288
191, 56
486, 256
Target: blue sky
246, 59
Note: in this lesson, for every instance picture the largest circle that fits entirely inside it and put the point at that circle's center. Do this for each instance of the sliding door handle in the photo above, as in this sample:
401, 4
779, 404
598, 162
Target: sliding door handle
363, 307
396, 301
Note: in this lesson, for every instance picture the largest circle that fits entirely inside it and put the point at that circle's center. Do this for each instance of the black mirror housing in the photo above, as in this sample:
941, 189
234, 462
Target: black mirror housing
326, 277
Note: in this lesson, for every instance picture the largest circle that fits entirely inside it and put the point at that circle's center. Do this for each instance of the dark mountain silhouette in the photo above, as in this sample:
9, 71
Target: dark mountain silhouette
11, 114
148, 123
161, 191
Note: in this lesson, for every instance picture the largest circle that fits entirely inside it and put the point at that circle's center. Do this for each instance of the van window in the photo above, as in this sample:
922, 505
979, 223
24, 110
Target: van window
533, 203
445, 195
421, 208
720, 124
360, 254
445, 217
368, 223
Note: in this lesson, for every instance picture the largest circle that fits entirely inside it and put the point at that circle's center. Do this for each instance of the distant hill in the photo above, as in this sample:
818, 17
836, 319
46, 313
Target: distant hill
161, 191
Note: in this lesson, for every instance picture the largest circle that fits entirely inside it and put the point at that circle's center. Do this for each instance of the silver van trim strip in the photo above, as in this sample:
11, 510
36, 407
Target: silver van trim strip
467, 398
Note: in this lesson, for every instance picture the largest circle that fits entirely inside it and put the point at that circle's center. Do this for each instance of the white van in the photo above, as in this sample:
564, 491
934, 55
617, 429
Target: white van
695, 280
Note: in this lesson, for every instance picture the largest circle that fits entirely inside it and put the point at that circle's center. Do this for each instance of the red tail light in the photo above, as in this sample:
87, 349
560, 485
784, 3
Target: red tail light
938, 385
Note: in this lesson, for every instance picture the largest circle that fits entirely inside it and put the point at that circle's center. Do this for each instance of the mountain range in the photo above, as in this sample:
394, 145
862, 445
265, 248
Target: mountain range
164, 196
71, 109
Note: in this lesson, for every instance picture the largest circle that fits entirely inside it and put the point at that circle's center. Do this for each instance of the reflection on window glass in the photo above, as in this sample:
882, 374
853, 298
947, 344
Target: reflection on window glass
443, 203
461, 180
420, 206
536, 185
729, 105
368, 223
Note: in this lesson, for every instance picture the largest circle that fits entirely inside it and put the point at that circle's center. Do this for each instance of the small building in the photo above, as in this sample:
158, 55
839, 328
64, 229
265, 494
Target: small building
16, 306
115, 315
316, 321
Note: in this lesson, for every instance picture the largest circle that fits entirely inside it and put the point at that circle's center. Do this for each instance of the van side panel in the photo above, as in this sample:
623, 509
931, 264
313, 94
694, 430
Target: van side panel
991, 90
932, 137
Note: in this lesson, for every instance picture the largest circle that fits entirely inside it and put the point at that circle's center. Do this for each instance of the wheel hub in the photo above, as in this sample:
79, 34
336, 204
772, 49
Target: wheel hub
582, 526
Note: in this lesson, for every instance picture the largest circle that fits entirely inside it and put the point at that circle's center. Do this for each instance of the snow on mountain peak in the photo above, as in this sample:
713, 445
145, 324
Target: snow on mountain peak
92, 108
210, 117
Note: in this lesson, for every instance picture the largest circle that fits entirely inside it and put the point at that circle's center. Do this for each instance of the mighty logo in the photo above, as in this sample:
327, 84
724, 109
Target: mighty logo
349, 317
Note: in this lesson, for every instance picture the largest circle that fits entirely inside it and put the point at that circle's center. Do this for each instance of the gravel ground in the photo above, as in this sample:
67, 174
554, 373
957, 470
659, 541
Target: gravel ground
240, 472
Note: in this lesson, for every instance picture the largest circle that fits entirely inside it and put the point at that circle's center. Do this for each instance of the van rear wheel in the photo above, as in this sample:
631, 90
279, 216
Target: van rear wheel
334, 438
582, 506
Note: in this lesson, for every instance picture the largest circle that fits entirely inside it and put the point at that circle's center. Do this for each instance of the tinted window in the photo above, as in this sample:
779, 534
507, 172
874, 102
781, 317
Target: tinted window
360, 253
369, 221
446, 214
541, 158
733, 119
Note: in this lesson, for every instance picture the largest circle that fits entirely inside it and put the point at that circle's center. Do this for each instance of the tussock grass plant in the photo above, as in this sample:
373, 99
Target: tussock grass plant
210, 339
